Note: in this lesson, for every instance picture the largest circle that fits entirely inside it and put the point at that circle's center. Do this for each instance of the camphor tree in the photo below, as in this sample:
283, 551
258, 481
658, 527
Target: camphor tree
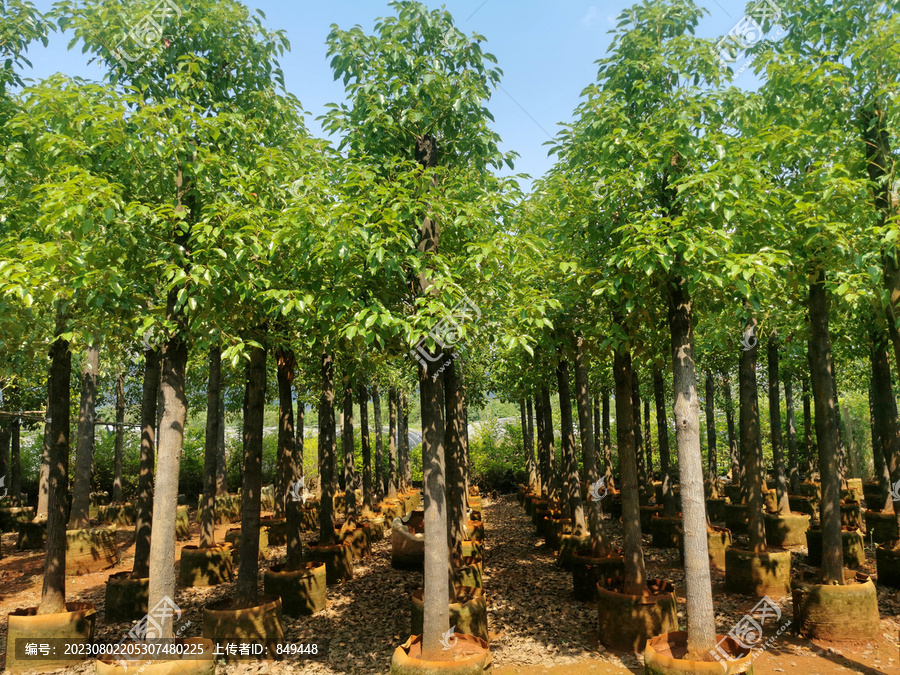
416, 89
222, 59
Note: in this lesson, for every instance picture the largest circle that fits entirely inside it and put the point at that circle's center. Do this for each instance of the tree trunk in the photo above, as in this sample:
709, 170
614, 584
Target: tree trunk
737, 468
711, 435
809, 450
700, 614
751, 449
347, 447
549, 443
285, 362
455, 442
843, 447
211, 449
533, 481
53, 593
168, 463
379, 445
437, 555
327, 452
635, 575
570, 463
599, 545
221, 460
648, 440
246, 592
79, 518
543, 458
645, 487
120, 437
607, 441
294, 543
392, 444
781, 486
821, 369
15, 461
366, 447
887, 432
5, 436
44, 476
144, 506
405, 467
793, 469
670, 505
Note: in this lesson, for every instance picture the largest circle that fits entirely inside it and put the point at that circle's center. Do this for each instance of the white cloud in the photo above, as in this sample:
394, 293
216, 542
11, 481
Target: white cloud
592, 15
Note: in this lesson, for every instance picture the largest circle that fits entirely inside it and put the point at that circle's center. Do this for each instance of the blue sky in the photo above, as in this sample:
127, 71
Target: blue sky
546, 50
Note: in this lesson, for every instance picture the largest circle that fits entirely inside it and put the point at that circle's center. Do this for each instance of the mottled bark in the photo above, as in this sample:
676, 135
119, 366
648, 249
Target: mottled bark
635, 574
670, 505
144, 505
380, 486
821, 369
246, 587
79, 518
211, 449
713, 465
366, 447
120, 438
570, 461
454, 440
645, 487
327, 452
781, 485
53, 592
751, 448
793, 466
393, 479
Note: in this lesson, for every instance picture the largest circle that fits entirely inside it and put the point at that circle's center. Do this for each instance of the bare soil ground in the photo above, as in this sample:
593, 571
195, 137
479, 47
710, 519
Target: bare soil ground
537, 627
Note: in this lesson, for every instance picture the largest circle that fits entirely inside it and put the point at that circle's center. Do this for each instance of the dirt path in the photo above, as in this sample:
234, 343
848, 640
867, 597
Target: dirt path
537, 626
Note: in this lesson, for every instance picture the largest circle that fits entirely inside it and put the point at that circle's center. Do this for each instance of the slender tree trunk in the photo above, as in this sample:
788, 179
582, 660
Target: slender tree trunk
645, 487
211, 449
607, 441
528, 429
327, 452
523, 421
599, 545
79, 518
887, 437
246, 591
405, 467
635, 575
809, 450
285, 362
670, 505
533, 479
781, 486
366, 447
701, 616
144, 506
543, 459
648, 440
454, 447
751, 449
347, 446
120, 437
793, 469
53, 593
392, 443
843, 445
5, 436
737, 469
570, 463
15, 461
299, 470
168, 463
711, 435
221, 460
554, 472
821, 369
881, 473
44, 476
379, 445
